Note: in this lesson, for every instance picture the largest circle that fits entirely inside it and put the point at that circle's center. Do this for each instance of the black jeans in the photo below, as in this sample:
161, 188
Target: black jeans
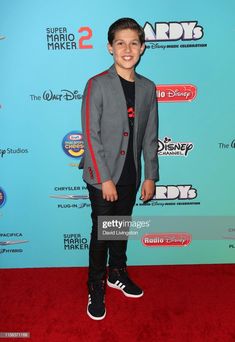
98, 251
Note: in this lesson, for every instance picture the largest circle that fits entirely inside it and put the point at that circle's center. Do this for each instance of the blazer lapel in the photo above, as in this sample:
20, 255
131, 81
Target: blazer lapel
118, 92
138, 96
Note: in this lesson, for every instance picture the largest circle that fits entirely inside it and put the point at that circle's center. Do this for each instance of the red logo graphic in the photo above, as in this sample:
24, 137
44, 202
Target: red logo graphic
131, 112
167, 240
176, 92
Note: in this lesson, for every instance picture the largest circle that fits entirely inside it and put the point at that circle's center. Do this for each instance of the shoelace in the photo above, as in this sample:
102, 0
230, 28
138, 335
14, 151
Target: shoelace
97, 292
122, 272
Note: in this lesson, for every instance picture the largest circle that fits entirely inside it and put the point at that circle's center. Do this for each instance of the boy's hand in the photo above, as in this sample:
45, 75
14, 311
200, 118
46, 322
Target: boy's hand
109, 191
147, 190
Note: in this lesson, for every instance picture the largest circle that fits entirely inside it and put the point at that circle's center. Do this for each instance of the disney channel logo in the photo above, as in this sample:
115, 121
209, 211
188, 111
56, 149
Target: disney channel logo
167, 147
65, 94
73, 144
3, 197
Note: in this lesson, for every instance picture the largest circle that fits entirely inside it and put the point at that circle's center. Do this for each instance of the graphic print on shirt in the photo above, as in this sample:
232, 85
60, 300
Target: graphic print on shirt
131, 112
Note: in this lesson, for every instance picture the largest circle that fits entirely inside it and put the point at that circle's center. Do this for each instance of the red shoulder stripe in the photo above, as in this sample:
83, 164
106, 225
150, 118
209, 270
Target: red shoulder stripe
88, 132
88, 127
101, 74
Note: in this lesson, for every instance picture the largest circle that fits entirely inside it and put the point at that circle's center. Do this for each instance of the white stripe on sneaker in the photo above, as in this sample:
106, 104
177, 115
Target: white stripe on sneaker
120, 284
122, 287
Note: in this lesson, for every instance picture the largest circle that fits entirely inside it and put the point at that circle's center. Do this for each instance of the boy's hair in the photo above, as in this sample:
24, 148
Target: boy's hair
125, 23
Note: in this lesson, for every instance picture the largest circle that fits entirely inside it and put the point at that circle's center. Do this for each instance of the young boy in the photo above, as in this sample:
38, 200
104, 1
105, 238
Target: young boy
119, 120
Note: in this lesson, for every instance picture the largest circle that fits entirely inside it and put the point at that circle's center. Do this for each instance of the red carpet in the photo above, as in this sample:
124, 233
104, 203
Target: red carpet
180, 304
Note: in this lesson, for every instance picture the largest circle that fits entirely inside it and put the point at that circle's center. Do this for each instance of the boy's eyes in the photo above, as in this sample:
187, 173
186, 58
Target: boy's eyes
135, 43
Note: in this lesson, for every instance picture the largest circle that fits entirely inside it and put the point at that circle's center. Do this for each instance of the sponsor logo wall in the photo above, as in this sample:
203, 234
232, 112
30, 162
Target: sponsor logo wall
44, 204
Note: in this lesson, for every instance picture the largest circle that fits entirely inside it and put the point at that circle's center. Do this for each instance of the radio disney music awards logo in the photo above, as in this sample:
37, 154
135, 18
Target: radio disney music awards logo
8, 243
173, 192
64, 95
167, 147
3, 197
65, 194
75, 242
176, 92
171, 195
12, 151
173, 32
62, 38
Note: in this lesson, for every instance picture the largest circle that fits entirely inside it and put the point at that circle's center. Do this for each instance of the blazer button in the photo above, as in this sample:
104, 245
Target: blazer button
122, 152
125, 134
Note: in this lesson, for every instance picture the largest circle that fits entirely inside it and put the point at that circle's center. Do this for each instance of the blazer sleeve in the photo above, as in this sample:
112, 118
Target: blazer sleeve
150, 141
95, 164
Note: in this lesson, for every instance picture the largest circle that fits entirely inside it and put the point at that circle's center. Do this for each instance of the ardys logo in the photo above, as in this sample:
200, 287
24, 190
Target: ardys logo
73, 144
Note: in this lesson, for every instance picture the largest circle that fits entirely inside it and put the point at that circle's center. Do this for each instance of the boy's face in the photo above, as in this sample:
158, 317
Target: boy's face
126, 49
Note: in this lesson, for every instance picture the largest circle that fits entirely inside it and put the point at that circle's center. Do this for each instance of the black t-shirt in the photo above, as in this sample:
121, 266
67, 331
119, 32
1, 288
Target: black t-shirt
128, 175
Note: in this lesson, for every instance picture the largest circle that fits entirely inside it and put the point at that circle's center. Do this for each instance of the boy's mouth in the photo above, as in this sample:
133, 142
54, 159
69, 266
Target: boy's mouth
127, 58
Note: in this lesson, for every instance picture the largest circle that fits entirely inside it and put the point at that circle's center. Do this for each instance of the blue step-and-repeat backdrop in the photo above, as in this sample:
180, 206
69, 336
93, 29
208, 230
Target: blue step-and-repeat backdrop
48, 51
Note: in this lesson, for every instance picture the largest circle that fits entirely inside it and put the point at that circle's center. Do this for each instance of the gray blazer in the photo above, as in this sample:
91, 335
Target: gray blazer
105, 128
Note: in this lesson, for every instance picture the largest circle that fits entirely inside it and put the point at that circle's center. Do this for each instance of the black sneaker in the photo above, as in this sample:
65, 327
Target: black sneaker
118, 279
96, 300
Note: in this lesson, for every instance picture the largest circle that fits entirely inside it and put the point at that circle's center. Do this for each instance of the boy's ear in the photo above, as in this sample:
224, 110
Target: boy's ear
143, 46
110, 49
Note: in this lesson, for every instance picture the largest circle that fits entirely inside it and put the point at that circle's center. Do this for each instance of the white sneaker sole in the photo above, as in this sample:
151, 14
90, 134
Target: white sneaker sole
94, 317
126, 294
